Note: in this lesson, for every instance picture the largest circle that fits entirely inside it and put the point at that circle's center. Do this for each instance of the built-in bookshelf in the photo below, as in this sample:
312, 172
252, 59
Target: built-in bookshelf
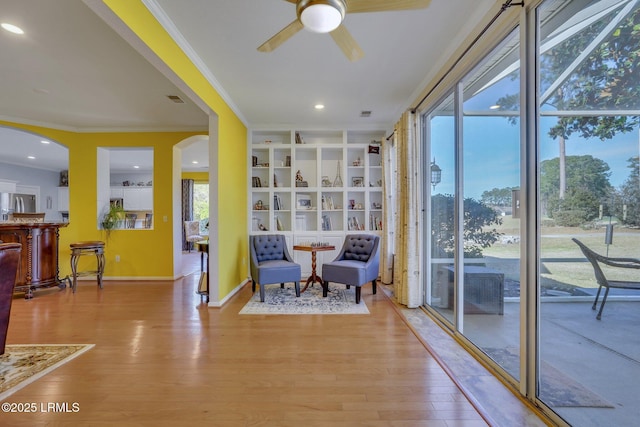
315, 182
315, 186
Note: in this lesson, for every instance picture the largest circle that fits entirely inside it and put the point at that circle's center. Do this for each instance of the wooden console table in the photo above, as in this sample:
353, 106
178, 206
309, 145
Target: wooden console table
38, 266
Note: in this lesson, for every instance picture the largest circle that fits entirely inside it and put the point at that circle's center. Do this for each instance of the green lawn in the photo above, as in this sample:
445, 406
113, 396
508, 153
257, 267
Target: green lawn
556, 243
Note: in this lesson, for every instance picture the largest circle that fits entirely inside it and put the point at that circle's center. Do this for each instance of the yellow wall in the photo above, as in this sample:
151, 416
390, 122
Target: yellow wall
232, 147
143, 253
196, 176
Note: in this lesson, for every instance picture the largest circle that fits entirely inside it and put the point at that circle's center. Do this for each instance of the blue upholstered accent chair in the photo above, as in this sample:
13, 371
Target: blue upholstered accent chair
271, 263
357, 263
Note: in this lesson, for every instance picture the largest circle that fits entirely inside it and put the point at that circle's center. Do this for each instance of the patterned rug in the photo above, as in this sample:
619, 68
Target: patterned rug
21, 365
283, 301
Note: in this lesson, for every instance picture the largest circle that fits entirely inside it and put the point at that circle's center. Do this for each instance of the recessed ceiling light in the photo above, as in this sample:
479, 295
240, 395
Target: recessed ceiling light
494, 107
136, 167
45, 142
195, 162
31, 157
319, 106
12, 28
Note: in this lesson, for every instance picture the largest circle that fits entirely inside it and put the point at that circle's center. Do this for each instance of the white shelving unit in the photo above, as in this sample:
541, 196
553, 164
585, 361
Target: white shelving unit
314, 186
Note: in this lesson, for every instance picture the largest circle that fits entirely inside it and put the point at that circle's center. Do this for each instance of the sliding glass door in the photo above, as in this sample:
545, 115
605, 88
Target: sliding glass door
489, 269
589, 97
441, 190
517, 198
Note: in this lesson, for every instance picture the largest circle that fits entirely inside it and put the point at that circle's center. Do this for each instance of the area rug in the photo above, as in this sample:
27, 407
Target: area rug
556, 388
21, 365
283, 301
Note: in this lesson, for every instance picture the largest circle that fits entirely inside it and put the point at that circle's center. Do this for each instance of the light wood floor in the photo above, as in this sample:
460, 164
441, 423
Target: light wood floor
162, 358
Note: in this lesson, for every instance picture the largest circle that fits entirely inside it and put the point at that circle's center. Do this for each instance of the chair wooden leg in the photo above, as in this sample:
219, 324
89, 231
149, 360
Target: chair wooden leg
297, 286
358, 293
374, 285
261, 292
253, 286
325, 288
604, 300
281, 285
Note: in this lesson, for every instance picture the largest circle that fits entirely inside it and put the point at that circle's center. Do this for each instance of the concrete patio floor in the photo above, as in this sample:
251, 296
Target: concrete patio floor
602, 356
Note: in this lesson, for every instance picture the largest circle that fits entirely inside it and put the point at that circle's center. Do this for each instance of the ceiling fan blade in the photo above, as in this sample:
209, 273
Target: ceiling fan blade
285, 34
347, 43
357, 6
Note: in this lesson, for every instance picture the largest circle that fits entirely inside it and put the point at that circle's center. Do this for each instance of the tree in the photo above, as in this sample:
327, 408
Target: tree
627, 208
201, 201
478, 217
497, 196
604, 79
587, 188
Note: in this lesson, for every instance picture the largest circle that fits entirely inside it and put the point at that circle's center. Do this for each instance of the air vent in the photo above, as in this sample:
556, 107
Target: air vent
176, 99
365, 114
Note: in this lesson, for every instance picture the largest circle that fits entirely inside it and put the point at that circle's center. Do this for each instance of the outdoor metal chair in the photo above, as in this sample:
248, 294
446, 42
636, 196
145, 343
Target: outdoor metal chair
595, 259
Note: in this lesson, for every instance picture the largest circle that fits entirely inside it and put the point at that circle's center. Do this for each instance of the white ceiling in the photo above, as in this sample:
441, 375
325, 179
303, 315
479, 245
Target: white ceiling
71, 70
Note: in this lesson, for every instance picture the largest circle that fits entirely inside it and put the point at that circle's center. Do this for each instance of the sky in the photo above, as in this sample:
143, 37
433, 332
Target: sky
491, 153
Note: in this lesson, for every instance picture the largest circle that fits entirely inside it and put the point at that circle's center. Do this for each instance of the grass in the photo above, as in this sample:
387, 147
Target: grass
555, 242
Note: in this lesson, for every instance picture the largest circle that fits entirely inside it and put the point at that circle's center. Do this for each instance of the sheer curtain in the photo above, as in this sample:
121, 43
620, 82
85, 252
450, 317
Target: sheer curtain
389, 212
406, 271
187, 209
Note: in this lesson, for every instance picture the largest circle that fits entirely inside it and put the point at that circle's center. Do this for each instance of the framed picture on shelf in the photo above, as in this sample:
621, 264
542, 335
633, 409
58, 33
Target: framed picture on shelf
357, 181
303, 201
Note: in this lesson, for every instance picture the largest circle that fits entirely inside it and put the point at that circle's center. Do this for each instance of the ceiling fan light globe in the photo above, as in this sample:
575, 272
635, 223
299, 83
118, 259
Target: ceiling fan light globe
321, 16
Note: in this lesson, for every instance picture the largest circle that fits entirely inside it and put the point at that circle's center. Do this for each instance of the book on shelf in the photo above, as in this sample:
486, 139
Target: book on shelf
375, 222
327, 225
277, 203
327, 203
354, 224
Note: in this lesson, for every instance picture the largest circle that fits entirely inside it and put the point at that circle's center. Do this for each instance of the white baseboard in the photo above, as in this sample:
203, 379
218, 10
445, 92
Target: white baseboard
220, 303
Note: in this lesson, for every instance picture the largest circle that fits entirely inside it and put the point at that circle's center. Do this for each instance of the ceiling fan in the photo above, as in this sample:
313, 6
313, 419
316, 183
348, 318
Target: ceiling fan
325, 16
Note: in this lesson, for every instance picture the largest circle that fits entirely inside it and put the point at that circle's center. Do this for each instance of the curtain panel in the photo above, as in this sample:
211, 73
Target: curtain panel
388, 225
406, 271
187, 210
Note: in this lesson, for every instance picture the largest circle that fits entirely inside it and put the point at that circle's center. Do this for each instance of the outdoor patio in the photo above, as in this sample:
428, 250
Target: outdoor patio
589, 367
